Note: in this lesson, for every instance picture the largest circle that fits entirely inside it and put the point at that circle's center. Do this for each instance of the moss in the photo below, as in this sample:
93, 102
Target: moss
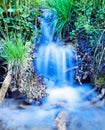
101, 81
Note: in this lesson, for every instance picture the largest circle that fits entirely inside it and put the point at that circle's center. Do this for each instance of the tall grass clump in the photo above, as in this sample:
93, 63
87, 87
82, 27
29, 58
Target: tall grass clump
62, 9
15, 52
17, 57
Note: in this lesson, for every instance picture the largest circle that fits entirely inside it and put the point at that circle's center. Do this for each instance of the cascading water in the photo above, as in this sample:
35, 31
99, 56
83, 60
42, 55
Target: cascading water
55, 63
47, 28
54, 60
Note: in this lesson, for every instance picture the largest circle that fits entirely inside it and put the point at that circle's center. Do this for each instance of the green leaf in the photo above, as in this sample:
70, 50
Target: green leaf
11, 10
24, 15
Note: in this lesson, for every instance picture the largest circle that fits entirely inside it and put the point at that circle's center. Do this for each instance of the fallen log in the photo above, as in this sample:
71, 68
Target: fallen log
5, 86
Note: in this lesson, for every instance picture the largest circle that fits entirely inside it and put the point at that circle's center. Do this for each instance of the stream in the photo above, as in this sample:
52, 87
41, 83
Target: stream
54, 62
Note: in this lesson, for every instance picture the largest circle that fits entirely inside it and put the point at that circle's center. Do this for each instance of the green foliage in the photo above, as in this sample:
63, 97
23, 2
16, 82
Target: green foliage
62, 10
100, 82
36, 3
14, 51
90, 15
17, 56
99, 51
18, 16
83, 11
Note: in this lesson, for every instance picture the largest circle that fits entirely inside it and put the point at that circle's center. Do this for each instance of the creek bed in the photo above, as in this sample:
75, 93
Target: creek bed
40, 118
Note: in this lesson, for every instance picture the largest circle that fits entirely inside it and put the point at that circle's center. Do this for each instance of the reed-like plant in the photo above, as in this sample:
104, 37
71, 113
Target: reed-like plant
62, 9
17, 56
99, 52
15, 51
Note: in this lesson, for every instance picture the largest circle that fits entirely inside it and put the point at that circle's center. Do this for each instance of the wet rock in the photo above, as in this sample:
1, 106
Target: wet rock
60, 105
23, 106
33, 87
62, 120
42, 128
2, 126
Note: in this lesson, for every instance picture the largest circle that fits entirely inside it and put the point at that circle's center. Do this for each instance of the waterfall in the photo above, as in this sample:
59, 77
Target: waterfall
53, 61
53, 58
47, 27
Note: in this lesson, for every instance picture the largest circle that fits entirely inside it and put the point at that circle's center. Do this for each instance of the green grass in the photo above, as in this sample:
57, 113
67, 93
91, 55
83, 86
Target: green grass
14, 51
62, 10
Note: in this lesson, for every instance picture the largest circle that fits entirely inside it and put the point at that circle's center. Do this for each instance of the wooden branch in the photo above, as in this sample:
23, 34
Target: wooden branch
78, 78
5, 86
72, 68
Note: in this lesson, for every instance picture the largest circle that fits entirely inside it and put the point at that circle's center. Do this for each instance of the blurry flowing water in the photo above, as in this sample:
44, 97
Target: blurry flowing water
54, 62
53, 58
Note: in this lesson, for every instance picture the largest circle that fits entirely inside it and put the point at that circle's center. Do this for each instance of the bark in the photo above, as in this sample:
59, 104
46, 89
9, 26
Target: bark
5, 86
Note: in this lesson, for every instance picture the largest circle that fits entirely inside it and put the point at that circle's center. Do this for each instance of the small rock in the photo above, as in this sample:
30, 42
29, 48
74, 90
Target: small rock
62, 120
